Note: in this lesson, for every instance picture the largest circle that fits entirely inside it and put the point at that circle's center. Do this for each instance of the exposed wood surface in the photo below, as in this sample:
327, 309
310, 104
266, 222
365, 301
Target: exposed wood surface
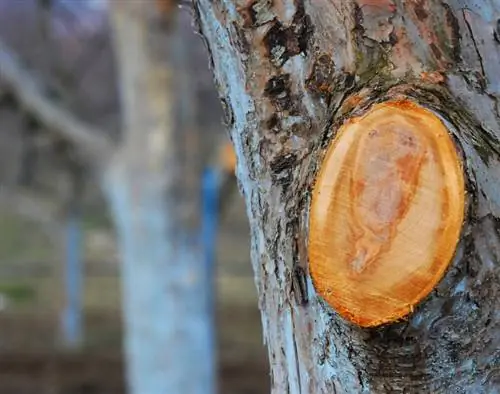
386, 214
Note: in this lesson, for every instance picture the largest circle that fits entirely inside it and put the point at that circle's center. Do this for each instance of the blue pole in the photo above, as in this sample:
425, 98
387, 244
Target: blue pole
210, 191
72, 314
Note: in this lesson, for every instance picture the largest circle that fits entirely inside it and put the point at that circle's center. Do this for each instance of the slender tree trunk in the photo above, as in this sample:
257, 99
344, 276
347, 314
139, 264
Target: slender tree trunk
167, 329
290, 73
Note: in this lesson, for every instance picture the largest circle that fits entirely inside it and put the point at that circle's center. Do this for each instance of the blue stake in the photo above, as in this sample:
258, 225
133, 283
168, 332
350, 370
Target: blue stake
210, 191
72, 314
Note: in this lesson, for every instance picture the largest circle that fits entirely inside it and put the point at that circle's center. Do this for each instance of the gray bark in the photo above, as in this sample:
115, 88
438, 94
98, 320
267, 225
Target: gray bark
289, 72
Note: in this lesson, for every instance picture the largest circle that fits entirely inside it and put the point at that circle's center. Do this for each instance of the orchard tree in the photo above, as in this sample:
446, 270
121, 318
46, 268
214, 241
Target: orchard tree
167, 323
367, 135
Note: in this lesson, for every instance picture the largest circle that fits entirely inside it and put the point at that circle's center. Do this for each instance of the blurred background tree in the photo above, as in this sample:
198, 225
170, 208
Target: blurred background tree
79, 129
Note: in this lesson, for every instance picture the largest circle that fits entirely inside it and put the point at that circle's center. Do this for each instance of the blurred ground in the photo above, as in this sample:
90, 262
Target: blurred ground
31, 360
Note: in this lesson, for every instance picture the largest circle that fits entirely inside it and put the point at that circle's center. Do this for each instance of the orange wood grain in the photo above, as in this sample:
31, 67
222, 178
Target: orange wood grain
386, 213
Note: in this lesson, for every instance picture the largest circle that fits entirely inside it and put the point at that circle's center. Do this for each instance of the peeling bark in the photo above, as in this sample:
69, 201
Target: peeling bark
290, 72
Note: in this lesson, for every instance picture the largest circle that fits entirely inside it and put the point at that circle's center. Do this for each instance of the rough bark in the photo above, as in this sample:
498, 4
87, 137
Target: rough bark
289, 73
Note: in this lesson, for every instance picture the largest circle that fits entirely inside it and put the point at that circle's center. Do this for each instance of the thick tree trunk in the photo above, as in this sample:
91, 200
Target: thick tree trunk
168, 333
290, 72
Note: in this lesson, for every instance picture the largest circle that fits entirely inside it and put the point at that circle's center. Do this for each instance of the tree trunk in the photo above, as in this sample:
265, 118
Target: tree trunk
290, 73
167, 324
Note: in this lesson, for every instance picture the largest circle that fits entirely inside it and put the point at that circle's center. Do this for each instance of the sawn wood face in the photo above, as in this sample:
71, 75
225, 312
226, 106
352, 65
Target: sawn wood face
386, 213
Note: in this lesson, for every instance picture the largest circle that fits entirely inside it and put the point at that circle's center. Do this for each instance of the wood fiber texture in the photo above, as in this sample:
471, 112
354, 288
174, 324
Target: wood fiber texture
386, 213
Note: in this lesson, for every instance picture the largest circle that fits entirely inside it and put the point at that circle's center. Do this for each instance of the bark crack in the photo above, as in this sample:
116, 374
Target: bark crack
296, 352
476, 48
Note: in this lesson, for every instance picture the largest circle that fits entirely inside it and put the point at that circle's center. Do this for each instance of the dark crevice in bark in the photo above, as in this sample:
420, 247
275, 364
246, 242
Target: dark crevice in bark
272, 123
296, 352
278, 90
452, 22
299, 285
228, 114
420, 11
478, 52
239, 39
496, 32
283, 42
256, 13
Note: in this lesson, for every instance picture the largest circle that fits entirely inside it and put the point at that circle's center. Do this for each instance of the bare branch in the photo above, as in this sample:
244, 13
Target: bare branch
87, 139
